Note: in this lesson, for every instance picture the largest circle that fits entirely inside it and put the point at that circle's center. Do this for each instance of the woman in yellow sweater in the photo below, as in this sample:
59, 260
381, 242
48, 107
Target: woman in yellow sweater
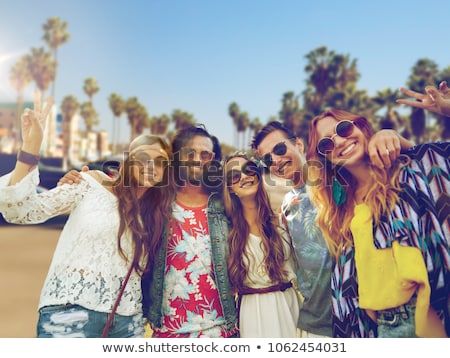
389, 231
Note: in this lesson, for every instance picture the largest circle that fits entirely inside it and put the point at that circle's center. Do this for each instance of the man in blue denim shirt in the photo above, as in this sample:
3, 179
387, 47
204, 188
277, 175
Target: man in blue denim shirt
187, 292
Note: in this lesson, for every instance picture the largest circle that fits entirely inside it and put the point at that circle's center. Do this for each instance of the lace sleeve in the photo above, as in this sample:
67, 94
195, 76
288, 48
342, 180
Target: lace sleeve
21, 204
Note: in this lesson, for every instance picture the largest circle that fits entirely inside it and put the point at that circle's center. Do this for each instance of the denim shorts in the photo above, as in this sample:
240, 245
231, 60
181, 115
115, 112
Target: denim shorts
397, 322
74, 321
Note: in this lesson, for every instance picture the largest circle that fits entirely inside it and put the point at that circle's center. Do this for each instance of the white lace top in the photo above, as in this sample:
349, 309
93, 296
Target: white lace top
86, 268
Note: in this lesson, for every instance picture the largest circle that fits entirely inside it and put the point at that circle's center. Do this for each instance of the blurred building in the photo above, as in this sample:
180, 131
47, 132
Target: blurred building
82, 146
9, 136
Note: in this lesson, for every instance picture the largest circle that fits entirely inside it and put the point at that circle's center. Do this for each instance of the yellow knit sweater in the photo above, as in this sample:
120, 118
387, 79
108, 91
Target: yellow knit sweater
388, 278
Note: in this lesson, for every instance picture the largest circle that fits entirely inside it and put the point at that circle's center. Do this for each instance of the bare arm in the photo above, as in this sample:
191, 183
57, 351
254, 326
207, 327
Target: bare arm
33, 124
385, 146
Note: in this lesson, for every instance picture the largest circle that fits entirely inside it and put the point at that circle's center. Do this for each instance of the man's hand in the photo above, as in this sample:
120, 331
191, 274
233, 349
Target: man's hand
384, 147
73, 176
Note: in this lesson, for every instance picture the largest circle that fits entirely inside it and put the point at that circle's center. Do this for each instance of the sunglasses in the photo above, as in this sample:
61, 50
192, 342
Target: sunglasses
278, 149
204, 155
144, 158
249, 168
343, 129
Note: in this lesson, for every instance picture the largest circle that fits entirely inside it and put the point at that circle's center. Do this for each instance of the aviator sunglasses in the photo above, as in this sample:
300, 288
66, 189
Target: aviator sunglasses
343, 129
249, 168
278, 149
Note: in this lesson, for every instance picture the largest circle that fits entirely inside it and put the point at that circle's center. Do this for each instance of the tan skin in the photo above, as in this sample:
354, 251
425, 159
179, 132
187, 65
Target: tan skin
153, 152
383, 148
434, 99
190, 195
193, 195
33, 124
245, 189
349, 152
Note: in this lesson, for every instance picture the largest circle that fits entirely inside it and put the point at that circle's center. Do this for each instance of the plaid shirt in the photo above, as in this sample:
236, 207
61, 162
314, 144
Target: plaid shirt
420, 219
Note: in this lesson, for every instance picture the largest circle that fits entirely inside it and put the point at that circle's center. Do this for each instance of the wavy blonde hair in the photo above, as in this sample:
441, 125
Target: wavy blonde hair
382, 196
268, 223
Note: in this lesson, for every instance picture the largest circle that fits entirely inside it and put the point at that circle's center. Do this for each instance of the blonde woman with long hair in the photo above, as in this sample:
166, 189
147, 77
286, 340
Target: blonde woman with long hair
388, 229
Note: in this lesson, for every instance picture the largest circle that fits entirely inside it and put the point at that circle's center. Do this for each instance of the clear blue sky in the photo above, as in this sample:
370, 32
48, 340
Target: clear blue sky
201, 55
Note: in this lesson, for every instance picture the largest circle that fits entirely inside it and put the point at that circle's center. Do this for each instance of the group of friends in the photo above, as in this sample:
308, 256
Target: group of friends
359, 247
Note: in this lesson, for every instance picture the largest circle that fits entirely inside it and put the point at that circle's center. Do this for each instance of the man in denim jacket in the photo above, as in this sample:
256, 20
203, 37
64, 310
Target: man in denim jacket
187, 291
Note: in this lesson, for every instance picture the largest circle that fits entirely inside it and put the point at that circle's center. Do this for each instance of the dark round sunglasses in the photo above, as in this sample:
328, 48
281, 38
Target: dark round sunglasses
278, 149
249, 168
343, 129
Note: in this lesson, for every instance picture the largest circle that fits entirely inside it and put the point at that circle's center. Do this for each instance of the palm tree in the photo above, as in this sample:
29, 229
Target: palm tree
90, 116
386, 98
424, 72
353, 100
137, 116
328, 71
159, 124
254, 127
182, 119
55, 35
233, 111
291, 114
90, 87
143, 120
88, 112
19, 79
69, 107
42, 68
117, 106
242, 125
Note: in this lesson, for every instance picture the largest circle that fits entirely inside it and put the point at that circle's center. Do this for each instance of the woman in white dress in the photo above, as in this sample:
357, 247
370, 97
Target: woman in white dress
114, 225
261, 264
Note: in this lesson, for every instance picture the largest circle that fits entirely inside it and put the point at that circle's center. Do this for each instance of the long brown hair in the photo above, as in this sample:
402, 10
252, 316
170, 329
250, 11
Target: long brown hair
144, 217
335, 220
268, 223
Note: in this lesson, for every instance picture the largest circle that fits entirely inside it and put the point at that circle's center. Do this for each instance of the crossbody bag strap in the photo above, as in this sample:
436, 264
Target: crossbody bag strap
116, 304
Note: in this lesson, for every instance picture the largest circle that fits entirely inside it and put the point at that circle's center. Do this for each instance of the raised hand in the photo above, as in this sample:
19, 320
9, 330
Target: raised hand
33, 124
434, 99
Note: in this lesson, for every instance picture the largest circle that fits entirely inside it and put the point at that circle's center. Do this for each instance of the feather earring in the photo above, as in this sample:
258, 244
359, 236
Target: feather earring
338, 192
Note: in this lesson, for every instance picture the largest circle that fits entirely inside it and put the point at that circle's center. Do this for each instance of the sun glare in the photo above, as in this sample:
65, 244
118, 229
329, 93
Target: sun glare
6, 62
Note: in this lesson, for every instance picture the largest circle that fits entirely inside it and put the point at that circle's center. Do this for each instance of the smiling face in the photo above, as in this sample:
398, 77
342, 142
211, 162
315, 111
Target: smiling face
345, 146
242, 177
148, 163
197, 153
286, 154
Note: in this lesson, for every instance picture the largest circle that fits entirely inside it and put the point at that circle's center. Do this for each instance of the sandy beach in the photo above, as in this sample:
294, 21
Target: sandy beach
25, 254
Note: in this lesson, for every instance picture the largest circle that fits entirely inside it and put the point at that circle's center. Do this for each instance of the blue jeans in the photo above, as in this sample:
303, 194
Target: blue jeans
74, 321
397, 322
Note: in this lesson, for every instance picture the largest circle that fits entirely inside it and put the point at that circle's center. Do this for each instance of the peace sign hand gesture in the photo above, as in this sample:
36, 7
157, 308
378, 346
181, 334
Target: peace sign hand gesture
434, 99
33, 125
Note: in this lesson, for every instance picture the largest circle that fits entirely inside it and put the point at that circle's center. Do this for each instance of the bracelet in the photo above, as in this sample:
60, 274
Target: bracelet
28, 158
